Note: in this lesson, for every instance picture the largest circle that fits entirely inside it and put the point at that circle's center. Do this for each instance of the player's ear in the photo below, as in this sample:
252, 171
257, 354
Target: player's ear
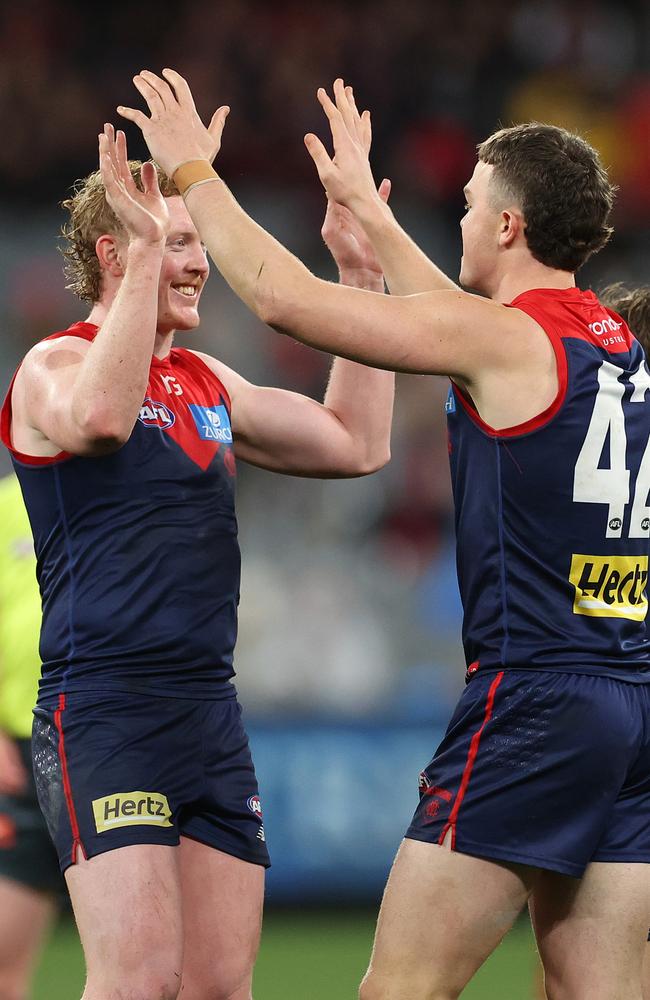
511, 224
110, 255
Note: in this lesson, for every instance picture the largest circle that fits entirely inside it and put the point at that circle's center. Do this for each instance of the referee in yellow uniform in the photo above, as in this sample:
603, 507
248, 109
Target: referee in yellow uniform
30, 881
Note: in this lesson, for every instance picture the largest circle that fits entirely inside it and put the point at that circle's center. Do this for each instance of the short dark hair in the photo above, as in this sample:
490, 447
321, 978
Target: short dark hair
633, 306
560, 185
90, 216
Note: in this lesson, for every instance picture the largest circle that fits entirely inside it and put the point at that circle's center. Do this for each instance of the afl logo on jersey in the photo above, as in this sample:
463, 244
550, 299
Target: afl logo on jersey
153, 414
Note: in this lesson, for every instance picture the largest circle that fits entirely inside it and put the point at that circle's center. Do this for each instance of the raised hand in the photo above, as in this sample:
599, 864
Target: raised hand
143, 214
174, 133
346, 176
346, 239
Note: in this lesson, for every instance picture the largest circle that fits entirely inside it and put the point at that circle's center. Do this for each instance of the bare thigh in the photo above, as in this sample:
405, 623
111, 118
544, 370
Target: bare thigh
646, 972
592, 932
222, 917
25, 916
442, 914
127, 904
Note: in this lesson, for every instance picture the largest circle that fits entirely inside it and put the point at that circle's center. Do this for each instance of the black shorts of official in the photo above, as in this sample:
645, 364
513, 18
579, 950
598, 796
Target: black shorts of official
113, 770
27, 854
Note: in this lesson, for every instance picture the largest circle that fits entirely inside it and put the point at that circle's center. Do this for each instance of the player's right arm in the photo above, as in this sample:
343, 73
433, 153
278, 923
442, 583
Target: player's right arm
347, 179
84, 398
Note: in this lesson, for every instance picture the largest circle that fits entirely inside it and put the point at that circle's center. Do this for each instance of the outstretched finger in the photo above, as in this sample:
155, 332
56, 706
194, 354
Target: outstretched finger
319, 155
107, 169
133, 115
384, 189
216, 126
149, 178
161, 87
122, 162
366, 131
108, 146
334, 116
355, 113
150, 94
343, 104
180, 87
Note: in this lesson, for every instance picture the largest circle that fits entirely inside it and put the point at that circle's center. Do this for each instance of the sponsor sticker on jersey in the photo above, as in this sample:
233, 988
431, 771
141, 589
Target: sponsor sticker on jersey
450, 402
155, 414
212, 423
608, 335
610, 586
131, 809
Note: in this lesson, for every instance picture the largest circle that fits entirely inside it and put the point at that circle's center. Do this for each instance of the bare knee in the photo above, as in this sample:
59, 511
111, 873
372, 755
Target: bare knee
218, 987
153, 986
374, 987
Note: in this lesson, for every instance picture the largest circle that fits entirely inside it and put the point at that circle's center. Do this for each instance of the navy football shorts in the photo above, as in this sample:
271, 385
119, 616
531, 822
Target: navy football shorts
118, 769
542, 768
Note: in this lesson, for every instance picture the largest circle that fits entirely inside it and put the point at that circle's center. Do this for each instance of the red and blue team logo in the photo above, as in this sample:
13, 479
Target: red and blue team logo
154, 414
255, 806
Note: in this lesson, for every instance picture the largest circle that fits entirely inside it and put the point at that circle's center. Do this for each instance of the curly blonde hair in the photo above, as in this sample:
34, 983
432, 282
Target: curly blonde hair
632, 305
91, 217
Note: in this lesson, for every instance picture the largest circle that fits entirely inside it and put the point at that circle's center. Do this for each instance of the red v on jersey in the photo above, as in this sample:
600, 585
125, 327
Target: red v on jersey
186, 400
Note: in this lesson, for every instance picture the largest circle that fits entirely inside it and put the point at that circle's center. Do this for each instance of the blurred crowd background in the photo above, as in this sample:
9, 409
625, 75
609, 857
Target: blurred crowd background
349, 605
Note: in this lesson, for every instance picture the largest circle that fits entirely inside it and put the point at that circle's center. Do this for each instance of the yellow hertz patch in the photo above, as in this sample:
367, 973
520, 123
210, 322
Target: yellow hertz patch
130, 809
610, 586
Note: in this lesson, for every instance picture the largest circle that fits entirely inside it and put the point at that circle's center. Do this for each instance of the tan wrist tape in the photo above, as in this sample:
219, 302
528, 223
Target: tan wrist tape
191, 172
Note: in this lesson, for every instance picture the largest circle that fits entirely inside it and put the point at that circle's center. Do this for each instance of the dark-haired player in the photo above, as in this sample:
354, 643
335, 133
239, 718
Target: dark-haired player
540, 789
125, 448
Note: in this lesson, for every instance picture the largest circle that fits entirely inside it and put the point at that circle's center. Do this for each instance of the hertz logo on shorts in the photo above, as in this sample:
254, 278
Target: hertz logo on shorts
130, 809
610, 586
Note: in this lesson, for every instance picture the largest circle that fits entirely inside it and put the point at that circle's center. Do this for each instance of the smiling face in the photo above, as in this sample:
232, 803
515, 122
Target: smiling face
480, 227
183, 274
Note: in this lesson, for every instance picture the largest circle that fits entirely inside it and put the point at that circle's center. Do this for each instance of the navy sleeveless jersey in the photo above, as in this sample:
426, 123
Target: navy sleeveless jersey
553, 516
138, 559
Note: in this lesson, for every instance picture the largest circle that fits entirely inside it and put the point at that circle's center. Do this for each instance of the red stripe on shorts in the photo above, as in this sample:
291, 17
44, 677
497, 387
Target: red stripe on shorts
67, 789
471, 757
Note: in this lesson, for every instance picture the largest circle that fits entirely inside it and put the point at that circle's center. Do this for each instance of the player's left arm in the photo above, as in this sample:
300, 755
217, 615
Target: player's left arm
347, 435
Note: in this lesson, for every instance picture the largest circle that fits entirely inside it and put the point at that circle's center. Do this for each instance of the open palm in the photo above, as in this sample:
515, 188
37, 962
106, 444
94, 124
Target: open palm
144, 213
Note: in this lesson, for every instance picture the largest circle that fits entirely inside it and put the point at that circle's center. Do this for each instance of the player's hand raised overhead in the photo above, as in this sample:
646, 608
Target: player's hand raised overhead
143, 214
174, 133
346, 239
346, 176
